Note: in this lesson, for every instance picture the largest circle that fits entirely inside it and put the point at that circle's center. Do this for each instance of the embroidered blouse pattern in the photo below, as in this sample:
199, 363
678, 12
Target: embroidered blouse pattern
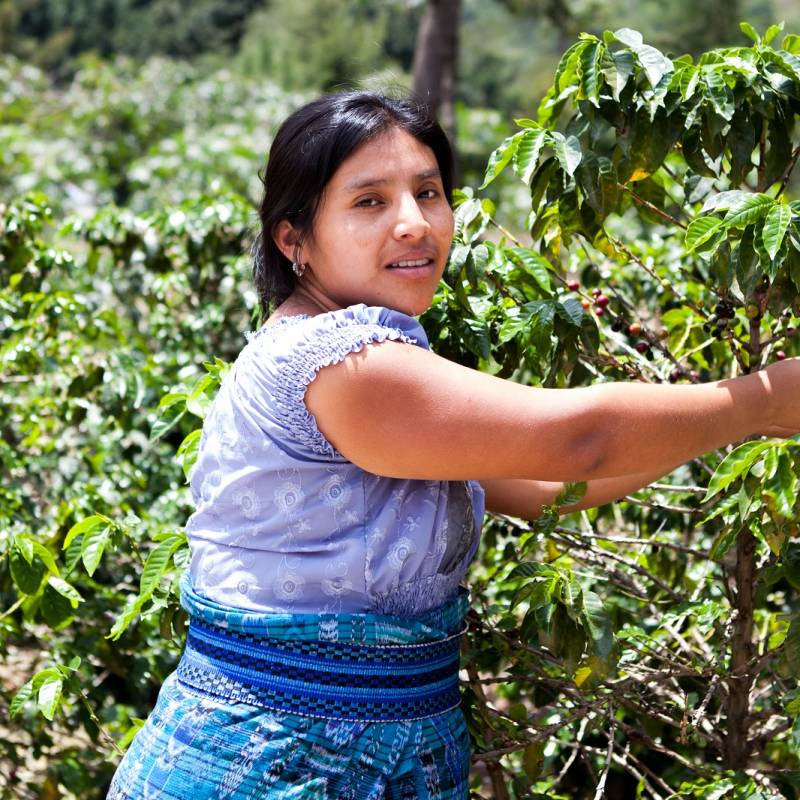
284, 522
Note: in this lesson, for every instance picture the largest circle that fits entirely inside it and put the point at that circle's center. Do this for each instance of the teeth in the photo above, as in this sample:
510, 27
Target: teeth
419, 262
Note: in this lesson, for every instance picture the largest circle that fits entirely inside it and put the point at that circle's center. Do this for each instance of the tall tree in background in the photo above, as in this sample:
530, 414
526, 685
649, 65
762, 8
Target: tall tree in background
435, 59
557, 13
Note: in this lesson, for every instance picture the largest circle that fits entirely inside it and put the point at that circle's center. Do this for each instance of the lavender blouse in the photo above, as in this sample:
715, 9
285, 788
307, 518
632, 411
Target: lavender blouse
284, 522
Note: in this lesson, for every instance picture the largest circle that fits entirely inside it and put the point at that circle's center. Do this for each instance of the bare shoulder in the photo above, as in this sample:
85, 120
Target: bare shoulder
399, 410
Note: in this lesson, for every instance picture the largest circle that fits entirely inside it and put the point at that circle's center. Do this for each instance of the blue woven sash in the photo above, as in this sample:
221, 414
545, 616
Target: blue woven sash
299, 664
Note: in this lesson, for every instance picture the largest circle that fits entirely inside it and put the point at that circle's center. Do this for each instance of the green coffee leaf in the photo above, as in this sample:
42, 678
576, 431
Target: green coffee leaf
93, 546
26, 575
749, 211
20, 698
772, 32
24, 544
535, 264
531, 569
136, 725
500, 158
735, 464
46, 556
171, 409
526, 157
617, 69
597, 624
655, 64
571, 494
567, 150
188, 450
49, 696
748, 30
776, 223
722, 201
700, 231
571, 311
88, 524
590, 72
157, 563
198, 402
65, 589
781, 486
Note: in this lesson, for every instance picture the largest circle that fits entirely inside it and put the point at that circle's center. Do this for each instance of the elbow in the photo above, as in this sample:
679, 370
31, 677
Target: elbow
589, 455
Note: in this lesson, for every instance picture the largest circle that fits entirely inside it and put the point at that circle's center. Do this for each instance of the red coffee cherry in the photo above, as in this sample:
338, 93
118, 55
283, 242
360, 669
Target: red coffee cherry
573, 286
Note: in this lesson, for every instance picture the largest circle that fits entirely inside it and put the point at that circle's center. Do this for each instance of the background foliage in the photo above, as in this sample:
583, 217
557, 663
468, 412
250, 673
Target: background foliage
636, 226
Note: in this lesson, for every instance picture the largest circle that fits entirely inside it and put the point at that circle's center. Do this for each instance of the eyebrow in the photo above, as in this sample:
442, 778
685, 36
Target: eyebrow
366, 182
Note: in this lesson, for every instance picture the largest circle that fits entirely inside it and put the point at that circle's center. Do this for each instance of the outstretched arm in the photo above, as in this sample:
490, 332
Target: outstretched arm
401, 411
522, 498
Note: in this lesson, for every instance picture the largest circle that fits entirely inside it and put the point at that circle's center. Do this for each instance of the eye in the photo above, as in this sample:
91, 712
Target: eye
429, 194
368, 202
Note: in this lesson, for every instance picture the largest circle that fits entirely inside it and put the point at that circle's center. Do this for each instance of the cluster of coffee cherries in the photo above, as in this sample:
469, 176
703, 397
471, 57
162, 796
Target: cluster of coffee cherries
620, 324
718, 322
600, 300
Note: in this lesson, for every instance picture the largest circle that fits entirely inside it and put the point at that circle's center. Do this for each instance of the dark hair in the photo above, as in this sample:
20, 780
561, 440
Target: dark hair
307, 150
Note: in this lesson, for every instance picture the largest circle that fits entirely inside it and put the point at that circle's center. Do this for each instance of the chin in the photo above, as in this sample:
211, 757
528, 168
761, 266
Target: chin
414, 309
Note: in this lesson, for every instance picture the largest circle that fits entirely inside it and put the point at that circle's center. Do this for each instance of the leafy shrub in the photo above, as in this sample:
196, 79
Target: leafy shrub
649, 648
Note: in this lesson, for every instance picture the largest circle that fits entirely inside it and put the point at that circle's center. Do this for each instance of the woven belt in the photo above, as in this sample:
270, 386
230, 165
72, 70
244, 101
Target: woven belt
332, 680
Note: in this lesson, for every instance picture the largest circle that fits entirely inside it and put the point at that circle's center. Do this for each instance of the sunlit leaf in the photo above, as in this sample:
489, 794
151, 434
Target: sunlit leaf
734, 465
526, 157
500, 157
776, 223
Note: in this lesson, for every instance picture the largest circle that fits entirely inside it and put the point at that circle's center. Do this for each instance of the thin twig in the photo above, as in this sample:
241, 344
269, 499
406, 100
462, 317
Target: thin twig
601, 784
646, 574
11, 609
103, 732
665, 487
573, 755
505, 232
663, 281
493, 766
788, 173
662, 506
648, 205
681, 548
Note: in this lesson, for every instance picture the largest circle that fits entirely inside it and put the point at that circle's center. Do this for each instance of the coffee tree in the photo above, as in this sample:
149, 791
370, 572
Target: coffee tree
645, 649
650, 648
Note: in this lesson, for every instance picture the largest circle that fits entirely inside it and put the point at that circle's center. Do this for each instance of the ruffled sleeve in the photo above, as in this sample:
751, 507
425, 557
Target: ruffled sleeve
281, 365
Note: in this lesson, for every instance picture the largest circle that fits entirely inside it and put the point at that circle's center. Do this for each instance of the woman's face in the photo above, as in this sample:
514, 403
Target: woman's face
383, 229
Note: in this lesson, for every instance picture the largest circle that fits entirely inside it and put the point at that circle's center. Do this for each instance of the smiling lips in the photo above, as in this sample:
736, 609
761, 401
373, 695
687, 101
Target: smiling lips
421, 263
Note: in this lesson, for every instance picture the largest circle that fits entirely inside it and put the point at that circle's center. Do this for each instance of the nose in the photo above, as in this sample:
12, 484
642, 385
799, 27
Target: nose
411, 222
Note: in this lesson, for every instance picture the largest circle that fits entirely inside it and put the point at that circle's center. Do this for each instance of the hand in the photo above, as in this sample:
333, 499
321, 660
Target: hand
783, 412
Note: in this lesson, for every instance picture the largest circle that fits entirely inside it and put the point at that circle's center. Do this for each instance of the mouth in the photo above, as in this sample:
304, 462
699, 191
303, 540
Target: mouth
412, 265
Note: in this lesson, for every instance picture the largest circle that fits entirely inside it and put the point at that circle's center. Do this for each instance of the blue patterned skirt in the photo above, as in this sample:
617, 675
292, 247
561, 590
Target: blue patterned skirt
334, 706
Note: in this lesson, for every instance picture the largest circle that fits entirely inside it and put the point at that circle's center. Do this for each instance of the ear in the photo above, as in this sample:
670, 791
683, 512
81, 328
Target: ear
286, 237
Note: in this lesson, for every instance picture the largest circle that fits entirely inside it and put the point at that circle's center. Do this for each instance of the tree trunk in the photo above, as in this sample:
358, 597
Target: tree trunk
435, 59
560, 18
740, 680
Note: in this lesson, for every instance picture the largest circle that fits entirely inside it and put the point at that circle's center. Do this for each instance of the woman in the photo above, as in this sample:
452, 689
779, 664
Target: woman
342, 477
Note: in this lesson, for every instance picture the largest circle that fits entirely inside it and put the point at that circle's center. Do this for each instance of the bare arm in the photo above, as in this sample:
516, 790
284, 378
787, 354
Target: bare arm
401, 411
523, 498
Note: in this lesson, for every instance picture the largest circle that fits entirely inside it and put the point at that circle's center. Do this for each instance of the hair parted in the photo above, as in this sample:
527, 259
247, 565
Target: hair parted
307, 150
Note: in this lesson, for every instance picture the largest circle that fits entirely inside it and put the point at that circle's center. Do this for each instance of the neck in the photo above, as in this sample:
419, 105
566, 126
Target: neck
311, 300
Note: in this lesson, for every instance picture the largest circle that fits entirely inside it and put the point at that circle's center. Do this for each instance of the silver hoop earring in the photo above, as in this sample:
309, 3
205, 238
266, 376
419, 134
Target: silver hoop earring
298, 269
